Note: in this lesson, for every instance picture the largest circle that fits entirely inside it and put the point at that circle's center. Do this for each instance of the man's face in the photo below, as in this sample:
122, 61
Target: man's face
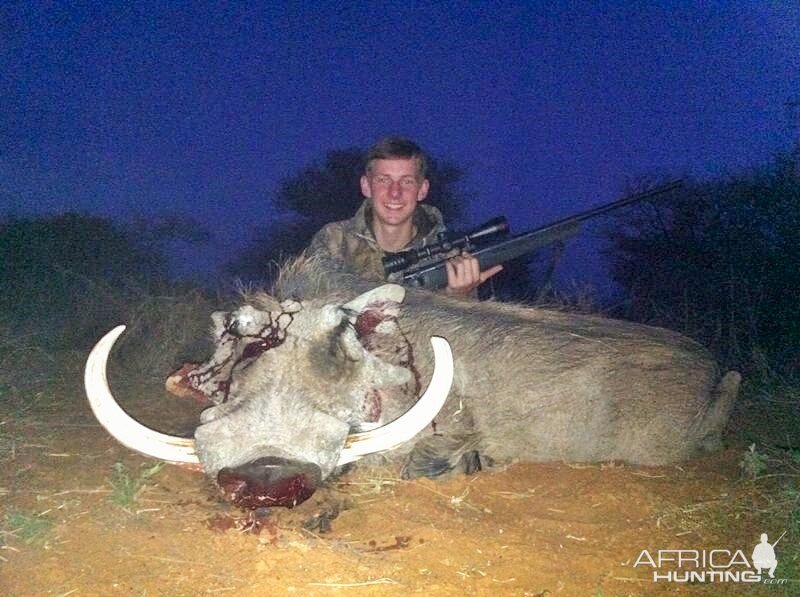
395, 188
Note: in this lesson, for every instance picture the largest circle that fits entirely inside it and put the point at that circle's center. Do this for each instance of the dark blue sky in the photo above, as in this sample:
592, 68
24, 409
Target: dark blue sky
196, 109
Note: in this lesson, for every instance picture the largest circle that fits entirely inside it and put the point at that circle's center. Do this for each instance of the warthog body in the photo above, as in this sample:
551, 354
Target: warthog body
530, 384
294, 373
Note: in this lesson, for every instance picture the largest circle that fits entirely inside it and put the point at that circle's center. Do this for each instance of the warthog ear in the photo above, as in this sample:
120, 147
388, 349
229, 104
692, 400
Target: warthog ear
374, 337
370, 314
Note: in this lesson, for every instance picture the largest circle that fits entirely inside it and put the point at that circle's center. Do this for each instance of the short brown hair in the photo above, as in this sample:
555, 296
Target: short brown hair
392, 148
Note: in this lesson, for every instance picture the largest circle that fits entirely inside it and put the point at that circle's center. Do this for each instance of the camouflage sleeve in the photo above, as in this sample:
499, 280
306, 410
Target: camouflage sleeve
321, 244
327, 245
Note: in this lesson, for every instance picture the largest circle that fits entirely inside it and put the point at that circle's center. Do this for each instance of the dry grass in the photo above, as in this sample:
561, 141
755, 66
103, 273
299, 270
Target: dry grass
165, 330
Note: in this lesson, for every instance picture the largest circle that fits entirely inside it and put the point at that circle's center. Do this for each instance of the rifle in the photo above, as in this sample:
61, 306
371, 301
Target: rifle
425, 267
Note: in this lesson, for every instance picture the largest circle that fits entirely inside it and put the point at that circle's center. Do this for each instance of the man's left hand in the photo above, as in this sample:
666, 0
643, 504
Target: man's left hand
464, 274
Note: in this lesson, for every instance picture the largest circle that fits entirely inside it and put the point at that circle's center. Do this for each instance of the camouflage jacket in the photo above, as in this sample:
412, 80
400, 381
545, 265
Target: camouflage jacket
351, 245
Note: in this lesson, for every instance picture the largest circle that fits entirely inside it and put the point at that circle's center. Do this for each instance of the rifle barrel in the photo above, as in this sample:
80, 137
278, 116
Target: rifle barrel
585, 215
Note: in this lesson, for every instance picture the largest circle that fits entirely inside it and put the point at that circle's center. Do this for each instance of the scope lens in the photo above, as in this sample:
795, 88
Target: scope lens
393, 263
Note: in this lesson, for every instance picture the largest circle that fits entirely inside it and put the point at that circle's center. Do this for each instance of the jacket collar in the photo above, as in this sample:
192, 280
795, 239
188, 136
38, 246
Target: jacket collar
427, 219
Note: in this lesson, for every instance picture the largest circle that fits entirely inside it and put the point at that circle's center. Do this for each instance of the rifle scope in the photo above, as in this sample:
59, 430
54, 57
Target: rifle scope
397, 262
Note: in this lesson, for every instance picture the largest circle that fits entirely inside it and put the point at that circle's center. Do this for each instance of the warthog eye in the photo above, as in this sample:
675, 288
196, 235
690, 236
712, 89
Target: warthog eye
230, 325
235, 326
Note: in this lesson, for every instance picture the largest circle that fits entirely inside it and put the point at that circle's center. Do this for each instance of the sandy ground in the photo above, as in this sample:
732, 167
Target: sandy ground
535, 530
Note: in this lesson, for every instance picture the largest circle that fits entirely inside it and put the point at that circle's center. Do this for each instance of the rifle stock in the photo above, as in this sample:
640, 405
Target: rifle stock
434, 275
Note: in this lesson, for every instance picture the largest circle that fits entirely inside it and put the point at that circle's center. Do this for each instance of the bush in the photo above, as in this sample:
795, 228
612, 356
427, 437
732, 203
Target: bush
69, 279
719, 262
66, 276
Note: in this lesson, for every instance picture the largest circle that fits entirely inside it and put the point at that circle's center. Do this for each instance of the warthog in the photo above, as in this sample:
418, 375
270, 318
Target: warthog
305, 379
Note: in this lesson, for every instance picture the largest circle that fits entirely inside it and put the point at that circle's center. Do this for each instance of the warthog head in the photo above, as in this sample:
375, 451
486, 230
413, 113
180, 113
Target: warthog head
297, 390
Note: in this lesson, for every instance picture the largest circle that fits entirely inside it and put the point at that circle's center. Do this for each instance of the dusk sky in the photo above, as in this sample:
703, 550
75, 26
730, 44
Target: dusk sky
201, 108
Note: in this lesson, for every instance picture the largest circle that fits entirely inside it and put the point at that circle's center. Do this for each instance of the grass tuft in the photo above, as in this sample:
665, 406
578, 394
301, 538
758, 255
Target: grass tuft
31, 529
125, 488
753, 463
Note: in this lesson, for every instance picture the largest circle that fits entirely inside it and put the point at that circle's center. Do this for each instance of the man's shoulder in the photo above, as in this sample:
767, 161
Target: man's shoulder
337, 237
329, 236
335, 230
331, 228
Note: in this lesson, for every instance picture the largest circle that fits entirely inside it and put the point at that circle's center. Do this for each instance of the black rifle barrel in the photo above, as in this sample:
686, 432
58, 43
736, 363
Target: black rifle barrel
433, 276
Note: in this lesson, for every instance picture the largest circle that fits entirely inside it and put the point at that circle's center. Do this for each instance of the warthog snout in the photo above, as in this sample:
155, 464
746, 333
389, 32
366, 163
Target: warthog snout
269, 481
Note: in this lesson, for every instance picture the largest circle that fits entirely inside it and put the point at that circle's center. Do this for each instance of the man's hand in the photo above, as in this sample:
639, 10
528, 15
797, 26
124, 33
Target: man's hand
464, 274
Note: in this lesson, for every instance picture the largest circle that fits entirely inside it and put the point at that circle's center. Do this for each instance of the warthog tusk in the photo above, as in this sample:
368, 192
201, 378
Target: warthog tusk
415, 418
124, 428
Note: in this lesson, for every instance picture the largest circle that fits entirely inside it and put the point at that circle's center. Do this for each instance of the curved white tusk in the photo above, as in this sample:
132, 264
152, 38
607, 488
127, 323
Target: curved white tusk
415, 419
124, 428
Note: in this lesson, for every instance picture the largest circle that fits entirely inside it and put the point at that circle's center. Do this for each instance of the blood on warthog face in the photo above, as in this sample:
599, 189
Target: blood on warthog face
290, 386
239, 337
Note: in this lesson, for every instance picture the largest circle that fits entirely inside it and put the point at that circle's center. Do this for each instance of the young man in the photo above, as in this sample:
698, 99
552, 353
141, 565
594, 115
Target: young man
393, 218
